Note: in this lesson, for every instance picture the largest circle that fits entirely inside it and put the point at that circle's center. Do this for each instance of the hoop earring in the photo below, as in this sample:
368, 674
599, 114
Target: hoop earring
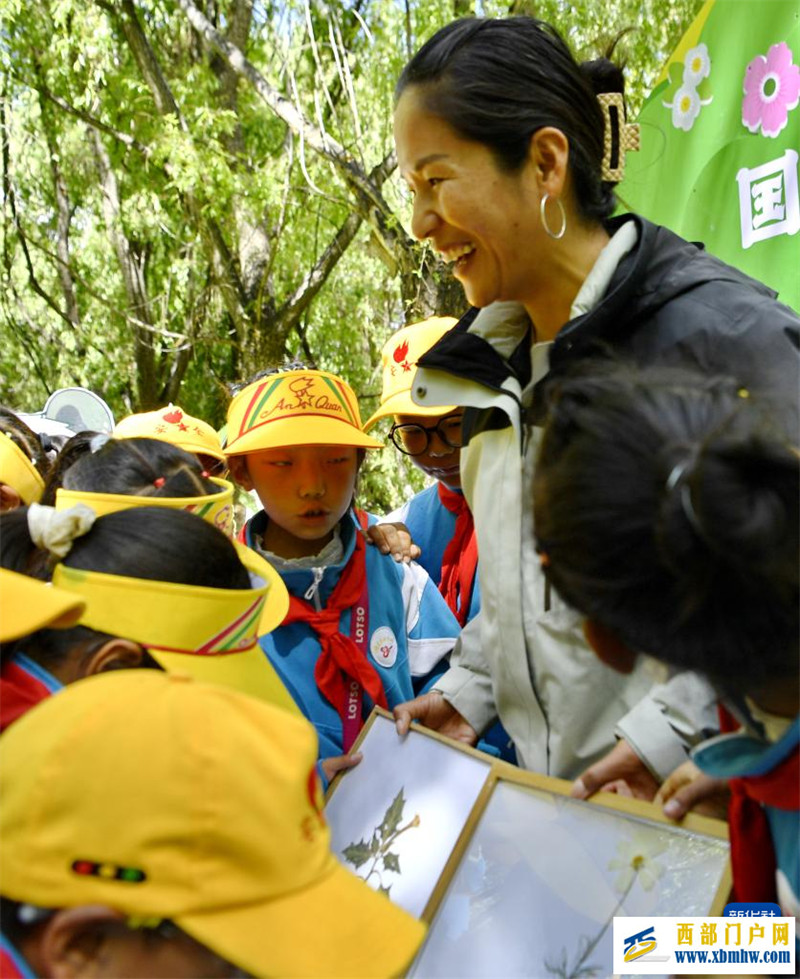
543, 215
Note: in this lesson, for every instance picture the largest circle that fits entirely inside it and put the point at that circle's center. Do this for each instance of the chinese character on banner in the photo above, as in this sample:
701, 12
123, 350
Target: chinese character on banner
768, 199
719, 138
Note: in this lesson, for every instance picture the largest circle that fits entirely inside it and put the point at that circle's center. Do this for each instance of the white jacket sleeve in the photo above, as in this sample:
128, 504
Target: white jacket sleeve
671, 719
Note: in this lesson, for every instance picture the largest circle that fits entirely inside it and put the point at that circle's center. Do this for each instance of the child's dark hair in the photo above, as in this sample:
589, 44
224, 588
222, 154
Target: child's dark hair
497, 82
75, 448
155, 543
666, 509
139, 467
26, 439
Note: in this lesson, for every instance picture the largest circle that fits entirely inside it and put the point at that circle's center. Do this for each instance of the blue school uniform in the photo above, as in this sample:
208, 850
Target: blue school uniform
766, 774
432, 527
406, 615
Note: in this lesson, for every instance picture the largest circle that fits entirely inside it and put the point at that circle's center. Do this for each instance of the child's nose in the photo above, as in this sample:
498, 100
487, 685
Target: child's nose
312, 481
437, 446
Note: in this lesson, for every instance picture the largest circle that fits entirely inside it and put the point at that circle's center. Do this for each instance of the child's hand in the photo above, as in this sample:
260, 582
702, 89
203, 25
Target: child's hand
621, 771
432, 710
394, 539
339, 763
687, 788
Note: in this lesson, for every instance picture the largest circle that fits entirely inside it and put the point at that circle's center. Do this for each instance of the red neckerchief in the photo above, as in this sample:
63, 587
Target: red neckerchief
752, 852
341, 661
460, 558
19, 691
12, 965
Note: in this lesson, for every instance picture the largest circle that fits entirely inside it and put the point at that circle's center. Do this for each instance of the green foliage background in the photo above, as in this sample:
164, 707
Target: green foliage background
222, 210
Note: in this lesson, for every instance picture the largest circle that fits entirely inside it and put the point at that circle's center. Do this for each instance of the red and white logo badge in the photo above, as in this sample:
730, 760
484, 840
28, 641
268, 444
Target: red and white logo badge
383, 646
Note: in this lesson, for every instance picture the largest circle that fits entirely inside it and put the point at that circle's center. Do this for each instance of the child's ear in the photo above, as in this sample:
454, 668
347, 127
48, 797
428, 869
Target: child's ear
116, 654
74, 941
9, 498
241, 474
609, 648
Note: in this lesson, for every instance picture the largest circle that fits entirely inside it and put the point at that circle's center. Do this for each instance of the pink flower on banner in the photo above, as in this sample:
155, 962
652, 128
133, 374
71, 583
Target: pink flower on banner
771, 89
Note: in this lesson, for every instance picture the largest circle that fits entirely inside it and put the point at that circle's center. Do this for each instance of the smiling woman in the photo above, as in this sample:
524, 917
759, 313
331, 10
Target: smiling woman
512, 151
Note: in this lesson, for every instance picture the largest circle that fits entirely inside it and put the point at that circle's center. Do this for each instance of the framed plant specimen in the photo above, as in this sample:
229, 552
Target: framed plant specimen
397, 816
514, 877
534, 888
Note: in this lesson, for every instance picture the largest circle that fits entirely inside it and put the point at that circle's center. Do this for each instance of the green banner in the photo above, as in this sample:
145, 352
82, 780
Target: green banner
720, 136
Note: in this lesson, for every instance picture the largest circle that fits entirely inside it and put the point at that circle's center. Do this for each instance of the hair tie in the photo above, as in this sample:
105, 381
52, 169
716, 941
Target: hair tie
618, 136
158, 483
54, 530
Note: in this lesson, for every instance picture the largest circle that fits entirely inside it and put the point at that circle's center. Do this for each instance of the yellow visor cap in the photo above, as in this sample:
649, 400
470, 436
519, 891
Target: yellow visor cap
399, 358
18, 472
216, 508
301, 407
27, 605
171, 799
210, 633
172, 424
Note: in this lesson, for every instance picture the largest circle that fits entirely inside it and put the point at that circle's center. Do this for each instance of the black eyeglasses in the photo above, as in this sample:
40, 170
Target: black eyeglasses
414, 440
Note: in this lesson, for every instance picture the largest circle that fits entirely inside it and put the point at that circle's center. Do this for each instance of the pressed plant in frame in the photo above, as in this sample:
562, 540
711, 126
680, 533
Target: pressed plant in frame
378, 851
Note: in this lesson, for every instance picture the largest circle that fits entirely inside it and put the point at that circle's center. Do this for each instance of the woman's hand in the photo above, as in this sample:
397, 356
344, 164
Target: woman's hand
621, 771
687, 788
339, 763
432, 710
394, 539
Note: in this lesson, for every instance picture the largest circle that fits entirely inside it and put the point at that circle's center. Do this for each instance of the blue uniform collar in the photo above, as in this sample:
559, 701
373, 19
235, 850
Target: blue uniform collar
38, 672
16, 958
299, 580
742, 755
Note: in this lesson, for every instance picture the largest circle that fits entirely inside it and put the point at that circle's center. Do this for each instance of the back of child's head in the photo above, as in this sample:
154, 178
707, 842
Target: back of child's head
666, 510
75, 448
139, 467
151, 543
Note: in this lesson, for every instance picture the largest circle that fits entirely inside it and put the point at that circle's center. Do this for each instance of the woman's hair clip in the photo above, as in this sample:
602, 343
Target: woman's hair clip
619, 136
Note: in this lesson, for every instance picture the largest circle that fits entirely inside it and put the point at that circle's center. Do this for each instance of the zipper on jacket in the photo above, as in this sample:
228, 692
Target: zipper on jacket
312, 592
546, 594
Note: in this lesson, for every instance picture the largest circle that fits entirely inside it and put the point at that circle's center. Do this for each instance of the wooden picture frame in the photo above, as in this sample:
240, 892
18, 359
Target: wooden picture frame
575, 863
524, 894
397, 829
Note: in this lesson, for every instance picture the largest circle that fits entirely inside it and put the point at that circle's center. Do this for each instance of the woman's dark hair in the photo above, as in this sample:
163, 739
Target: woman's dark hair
155, 543
26, 439
139, 467
498, 81
667, 506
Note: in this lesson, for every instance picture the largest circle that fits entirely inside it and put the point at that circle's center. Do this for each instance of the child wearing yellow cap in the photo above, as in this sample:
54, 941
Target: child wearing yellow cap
438, 518
23, 462
361, 629
173, 424
158, 587
120, 473
153, 825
